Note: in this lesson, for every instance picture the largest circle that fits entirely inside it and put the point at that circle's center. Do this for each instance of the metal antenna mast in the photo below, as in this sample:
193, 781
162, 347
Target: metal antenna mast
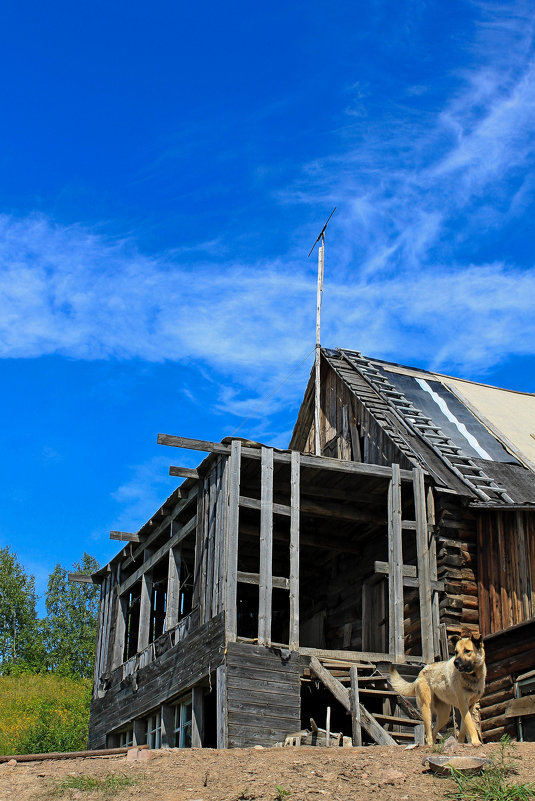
321, 263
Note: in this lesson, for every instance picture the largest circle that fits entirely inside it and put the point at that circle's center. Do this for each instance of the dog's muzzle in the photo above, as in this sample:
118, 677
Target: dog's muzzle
463, 667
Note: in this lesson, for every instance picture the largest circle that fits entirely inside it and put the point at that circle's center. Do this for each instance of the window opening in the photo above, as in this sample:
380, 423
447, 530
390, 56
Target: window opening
154, 730
182, 727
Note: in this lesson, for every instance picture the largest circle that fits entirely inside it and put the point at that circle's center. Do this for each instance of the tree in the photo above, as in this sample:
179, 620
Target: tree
20, 640
70, 628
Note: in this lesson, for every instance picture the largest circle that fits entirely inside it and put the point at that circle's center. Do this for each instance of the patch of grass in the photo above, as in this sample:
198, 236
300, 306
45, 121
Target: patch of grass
40, 713
108, 786
492, 784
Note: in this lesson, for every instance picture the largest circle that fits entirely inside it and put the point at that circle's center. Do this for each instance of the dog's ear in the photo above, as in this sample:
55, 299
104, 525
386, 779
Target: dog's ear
453, 639
477, 639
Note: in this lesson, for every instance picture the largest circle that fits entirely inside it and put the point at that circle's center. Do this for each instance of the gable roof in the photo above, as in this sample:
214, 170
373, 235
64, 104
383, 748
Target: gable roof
471, 437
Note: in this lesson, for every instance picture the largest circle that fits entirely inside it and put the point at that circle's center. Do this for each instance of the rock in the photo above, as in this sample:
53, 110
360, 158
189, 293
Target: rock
258, 747
132, 755
392, 777
145, 755
450, 744
12, 762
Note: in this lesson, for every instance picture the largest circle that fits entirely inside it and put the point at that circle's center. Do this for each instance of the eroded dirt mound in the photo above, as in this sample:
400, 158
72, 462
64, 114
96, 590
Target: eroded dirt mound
302, 774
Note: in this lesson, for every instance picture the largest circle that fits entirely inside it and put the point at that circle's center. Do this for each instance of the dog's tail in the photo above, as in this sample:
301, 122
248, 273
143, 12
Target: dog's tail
401, 686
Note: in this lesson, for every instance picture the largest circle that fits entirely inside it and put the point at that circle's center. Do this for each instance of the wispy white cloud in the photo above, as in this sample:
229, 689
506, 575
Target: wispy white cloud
412, 189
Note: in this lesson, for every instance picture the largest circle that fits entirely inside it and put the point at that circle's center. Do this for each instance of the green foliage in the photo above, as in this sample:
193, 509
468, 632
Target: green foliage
108, 786
492, 784
40, 713
70, 628
20, 643
282, 794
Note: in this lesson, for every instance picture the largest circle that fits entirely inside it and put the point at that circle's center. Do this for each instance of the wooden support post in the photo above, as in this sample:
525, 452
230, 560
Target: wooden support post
433, 571
168, 725
294, 550
172, 611
424, 573
266, 548
356, 725
120, 631
140, 731
395, 557
231, 583
328, 727
197, 717
222, 714
145, 612
419, 734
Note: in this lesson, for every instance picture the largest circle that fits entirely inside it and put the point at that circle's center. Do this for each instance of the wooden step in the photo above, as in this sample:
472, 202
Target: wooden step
396, 720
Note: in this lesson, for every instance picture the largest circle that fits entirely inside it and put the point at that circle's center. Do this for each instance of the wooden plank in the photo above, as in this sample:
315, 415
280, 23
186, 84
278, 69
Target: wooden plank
361, 657
172, 612
356, 724
520, 707
431, 519
254, 503
183, 472
424, 575
81, 578
396, 565
294, 550
144, 612
231, 583
197, 717
222, 709
192, 444
120, 631
182, 532
284, 457
254, 578
125, 536
181, 506
168, 724
289, 697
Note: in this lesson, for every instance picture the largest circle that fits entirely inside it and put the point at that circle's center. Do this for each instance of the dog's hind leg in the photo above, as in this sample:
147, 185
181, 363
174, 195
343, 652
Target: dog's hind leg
443, 713
424, 697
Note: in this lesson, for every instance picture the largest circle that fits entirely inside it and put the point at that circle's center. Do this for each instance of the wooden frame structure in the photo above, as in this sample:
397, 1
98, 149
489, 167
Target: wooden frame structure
274, 584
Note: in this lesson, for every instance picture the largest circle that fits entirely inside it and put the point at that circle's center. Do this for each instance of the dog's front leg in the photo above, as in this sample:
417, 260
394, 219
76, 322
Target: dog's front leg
468, 726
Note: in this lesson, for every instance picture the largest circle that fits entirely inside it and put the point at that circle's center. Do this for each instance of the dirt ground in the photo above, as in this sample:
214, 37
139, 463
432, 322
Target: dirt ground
308, 774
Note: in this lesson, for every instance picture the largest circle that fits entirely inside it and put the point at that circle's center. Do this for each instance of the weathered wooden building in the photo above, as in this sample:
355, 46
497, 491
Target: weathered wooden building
274, 584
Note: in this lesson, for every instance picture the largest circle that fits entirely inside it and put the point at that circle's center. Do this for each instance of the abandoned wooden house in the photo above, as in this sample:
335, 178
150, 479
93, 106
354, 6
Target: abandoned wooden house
273, 586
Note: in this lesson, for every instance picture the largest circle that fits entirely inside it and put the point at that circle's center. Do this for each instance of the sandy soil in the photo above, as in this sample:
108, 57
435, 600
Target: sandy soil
309, 774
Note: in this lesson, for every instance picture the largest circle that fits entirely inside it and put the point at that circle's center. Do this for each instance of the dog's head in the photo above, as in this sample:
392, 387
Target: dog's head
469, 653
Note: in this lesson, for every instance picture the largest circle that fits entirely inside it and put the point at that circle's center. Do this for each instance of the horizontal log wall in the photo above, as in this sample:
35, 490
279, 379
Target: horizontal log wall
173, 673
508, 654
506, 569
457, 564
263, 695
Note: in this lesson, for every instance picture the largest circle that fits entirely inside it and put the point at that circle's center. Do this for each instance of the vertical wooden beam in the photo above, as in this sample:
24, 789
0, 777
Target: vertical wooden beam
395, 558
197, 717
145, 611
356, 725
168, 725
265, 590
100, 634
140, 731
231, 584
424, 575
222, 714
216, 608
120, 630
294, 549
433, 571
199, 543
172, 611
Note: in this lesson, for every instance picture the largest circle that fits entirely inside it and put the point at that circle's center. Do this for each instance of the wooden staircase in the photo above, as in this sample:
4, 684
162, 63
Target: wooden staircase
365, 691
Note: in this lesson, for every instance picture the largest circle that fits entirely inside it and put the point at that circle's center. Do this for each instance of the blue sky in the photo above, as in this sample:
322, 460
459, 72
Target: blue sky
164, 173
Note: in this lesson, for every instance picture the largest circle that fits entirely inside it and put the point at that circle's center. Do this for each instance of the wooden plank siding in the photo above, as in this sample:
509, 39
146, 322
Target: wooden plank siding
263, 695
506, 567
174, 672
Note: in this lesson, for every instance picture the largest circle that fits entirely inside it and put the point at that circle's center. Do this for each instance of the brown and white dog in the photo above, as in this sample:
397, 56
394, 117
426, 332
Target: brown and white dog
459, 682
